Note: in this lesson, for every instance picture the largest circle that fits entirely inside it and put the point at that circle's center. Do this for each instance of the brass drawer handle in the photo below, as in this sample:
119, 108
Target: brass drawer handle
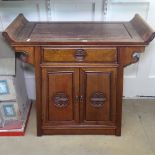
80, 54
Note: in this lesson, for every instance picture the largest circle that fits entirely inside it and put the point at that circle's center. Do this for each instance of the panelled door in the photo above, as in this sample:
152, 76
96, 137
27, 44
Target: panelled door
60, 86
78, 95
98, 90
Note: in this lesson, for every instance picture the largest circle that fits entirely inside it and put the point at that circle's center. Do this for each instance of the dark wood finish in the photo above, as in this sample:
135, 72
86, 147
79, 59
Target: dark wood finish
79, 70
38, 90
61, 83
135, 32
143, 29
28, 51
126, 55
80, 55
95, 81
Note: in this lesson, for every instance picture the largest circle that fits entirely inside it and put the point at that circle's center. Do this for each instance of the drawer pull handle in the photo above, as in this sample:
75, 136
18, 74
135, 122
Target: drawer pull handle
80, 54
60, 100
97, 99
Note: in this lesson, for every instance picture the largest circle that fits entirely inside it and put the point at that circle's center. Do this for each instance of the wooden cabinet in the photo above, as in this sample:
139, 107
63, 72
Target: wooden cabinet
85, 96
79, 70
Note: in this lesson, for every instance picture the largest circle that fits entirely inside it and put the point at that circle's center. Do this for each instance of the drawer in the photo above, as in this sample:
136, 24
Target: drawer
80, 55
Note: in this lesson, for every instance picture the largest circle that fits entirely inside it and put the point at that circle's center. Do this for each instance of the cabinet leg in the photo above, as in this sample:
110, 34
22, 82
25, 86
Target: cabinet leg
39, 133
118, 132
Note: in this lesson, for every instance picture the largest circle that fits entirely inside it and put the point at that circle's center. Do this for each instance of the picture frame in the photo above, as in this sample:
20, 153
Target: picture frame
7, 88
4, 89
9, 111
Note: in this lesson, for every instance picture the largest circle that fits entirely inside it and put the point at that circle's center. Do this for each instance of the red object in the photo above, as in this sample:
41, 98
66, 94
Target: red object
17, 133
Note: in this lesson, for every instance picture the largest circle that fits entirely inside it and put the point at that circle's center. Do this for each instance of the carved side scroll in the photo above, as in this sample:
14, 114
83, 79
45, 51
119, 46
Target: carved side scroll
11, 32
143, 29
26, 54
129, 55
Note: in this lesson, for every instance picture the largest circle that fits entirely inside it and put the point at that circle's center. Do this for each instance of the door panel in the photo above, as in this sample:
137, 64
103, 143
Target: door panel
60, 86
98, 87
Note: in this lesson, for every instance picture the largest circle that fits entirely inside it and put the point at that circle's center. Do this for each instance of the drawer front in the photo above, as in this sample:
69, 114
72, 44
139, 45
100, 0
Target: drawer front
80, 55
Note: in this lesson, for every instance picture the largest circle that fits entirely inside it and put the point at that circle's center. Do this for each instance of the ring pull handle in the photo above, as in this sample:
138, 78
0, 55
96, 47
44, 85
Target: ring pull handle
136, 56
80, 54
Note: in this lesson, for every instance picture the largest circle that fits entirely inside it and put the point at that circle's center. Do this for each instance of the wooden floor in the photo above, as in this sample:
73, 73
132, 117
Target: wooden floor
138, 137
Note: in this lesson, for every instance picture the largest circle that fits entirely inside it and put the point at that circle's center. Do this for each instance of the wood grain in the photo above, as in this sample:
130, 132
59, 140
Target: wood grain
79, 70
98, 80
29, 51
91, 55
23, 32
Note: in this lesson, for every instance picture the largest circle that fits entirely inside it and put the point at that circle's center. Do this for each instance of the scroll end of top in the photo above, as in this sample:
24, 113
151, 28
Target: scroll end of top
7, 37
12, 31
21, 16
150, 38
143, 29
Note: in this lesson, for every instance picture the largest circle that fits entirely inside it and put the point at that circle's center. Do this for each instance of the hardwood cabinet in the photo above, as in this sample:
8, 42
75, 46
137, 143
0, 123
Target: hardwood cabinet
79, 95
79, 70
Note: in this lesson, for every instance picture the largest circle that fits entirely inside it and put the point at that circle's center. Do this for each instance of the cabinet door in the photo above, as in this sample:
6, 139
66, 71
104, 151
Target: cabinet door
60, 86
98, 95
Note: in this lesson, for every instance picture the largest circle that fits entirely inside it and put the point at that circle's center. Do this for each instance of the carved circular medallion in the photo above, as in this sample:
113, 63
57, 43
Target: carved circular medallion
97, 99
60, 100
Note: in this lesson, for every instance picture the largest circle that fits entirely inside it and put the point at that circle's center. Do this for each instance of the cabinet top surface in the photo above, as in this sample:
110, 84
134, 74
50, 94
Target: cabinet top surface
21, 31
79, 32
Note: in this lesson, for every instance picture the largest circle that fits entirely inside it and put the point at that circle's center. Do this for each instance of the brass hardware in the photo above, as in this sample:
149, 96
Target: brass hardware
60, 99
77, 99
81, 99
97, 99
80, 54
136, 56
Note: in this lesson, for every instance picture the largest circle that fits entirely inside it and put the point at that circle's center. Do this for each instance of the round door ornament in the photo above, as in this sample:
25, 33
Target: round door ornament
60, 100
97, 99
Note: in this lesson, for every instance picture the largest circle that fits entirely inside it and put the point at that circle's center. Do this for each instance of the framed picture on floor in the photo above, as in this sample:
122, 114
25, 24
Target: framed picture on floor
4, 90
7, 88
9, 111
